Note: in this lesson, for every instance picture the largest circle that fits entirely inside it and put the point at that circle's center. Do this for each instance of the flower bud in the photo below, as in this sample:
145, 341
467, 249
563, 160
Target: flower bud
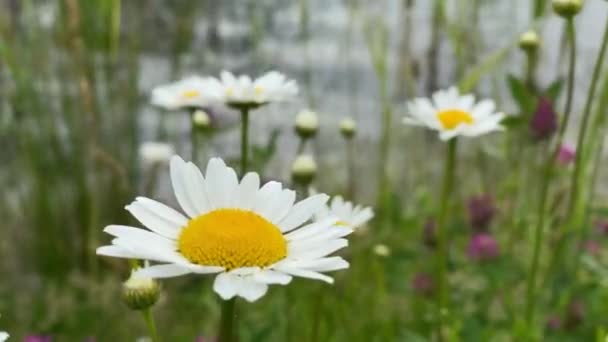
140, 293
423, 284
566, 155
153, 152
481, 211
307, 124
567, 8
483, 247
304, 169
544, 120
201, 119
382, 250
348, 128
529, 41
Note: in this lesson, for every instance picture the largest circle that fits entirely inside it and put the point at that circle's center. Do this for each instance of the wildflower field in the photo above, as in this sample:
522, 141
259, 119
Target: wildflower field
343, 170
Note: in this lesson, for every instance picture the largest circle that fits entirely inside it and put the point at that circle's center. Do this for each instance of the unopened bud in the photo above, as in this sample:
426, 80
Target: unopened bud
529, 41
348, 128
304, 169
567, 8
140, 293
201, 119
382, 250
307, 123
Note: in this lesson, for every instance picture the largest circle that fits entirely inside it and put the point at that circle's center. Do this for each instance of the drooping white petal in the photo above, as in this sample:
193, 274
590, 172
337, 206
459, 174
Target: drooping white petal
272, 277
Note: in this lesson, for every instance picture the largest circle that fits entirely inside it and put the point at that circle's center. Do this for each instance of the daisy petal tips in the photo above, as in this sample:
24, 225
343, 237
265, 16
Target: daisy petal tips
453, 114
249, 235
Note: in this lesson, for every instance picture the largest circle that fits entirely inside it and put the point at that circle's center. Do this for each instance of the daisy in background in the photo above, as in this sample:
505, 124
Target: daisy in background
190, 92
453, 114
243, 91
4, 336
249, 236
348, 214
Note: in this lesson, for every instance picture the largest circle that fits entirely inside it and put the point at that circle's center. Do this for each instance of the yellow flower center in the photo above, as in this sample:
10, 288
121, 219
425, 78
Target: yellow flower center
341, 224
258, 90
190, 94
229, 91
452, 118
232, 238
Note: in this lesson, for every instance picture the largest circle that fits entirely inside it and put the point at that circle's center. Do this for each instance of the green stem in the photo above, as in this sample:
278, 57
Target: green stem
442, 264
575, 191
571, 33
227, 333
350, 158
301, 146
546, 179
244, 139
194, 139
147, 314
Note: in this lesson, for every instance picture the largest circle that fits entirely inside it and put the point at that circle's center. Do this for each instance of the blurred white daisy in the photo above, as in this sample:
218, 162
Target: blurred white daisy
154, 152
193, 91
242, 91
250, 236
454, 115
349, 215
4, 336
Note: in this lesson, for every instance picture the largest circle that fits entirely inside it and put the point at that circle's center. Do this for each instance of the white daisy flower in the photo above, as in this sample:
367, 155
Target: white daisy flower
242, 91
193, 91
453, 114
250, 236
4, 336
349, 215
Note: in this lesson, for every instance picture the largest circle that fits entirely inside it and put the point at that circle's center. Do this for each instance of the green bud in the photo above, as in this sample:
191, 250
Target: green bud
140, 293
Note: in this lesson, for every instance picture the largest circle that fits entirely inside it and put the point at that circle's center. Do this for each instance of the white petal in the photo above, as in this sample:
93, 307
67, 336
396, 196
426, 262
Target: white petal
226, 285
137, 234
312, 229
154, 221
221, 182
251, 290
162, 271
302, 212
322, 264
179, 181
306, 251
114, 251
304, 273
272, 277
248, 189
205, 269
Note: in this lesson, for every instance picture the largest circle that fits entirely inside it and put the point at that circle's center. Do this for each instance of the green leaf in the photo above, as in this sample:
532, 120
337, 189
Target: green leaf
554, 90
521, 94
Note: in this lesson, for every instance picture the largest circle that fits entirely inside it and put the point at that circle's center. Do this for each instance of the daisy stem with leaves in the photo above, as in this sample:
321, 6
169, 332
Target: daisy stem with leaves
546, 178
442, 260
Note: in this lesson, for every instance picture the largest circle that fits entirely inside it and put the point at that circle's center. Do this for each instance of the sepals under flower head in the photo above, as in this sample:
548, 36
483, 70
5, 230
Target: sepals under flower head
567, 8
544, 121
140, 293
307, 124
348, 128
